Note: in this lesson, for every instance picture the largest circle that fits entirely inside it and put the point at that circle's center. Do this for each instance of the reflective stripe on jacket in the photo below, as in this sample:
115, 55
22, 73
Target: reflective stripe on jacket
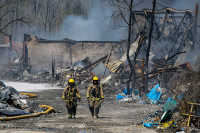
98, 90
71, 93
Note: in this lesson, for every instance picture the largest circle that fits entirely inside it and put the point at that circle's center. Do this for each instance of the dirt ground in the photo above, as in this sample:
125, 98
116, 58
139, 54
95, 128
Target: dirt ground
114, 117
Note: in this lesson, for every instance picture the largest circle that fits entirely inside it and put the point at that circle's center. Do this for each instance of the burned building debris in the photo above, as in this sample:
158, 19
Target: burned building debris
174, 55
173, 42
66, 51
174, 31
15, 105
174, 65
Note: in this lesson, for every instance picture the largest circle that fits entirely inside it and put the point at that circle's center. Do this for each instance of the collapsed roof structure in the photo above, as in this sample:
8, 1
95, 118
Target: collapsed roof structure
175, 33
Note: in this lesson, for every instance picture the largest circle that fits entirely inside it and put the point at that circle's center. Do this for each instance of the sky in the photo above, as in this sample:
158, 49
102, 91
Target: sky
177, 4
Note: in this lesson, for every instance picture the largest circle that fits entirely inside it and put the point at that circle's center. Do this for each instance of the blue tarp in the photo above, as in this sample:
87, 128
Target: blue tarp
120, 97
154, 94
124, 92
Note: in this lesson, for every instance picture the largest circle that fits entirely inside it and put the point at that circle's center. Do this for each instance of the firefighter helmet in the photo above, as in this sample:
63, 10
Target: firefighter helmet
71, 81
95, 78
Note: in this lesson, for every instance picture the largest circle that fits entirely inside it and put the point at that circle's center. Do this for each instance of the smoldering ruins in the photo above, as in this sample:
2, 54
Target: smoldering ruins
169, 102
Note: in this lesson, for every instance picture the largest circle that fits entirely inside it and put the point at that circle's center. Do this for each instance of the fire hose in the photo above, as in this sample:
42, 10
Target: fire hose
49, 109
30, 95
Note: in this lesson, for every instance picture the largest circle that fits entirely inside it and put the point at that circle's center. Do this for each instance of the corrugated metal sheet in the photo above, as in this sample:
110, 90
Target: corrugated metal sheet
100, 69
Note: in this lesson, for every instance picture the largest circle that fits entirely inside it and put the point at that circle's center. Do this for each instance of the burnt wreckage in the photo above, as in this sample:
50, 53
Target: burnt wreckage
174, 31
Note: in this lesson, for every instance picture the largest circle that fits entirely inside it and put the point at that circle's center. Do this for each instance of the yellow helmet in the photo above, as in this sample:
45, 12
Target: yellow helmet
71, 81
95, 78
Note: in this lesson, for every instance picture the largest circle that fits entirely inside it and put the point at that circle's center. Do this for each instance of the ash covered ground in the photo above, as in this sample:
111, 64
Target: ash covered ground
114, 116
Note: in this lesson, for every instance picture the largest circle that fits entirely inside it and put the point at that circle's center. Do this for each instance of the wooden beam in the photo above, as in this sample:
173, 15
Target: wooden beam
163, 26
101, 59
177, 28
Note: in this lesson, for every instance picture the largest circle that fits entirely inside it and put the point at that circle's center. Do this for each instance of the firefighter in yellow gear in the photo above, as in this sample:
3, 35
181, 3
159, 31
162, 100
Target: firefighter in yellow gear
95, 97
71, 94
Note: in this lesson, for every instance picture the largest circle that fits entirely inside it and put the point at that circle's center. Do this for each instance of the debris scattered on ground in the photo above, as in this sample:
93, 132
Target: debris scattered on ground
13, 103
155, 94
173, 78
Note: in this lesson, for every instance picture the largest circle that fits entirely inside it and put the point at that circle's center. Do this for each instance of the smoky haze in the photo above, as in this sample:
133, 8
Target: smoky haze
97, 27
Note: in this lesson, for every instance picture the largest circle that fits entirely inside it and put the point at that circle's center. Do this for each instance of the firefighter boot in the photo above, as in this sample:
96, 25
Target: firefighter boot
69, 116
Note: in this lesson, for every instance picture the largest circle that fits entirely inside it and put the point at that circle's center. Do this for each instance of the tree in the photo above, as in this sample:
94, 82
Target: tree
149, 46
124, 13
9, 15
124, 7
43, 16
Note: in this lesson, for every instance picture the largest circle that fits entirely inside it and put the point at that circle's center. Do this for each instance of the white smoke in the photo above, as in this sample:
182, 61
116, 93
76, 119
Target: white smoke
97, 27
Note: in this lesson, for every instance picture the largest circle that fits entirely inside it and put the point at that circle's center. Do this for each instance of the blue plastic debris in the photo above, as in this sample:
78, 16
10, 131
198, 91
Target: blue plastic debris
120, 97
136, 92
153, 90
169, 99
154, 94
125, 91
149, 124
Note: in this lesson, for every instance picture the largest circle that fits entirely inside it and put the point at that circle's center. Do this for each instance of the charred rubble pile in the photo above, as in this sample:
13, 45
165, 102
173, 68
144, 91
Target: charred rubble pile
12, 103
180, 105
82, 71
174, 68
